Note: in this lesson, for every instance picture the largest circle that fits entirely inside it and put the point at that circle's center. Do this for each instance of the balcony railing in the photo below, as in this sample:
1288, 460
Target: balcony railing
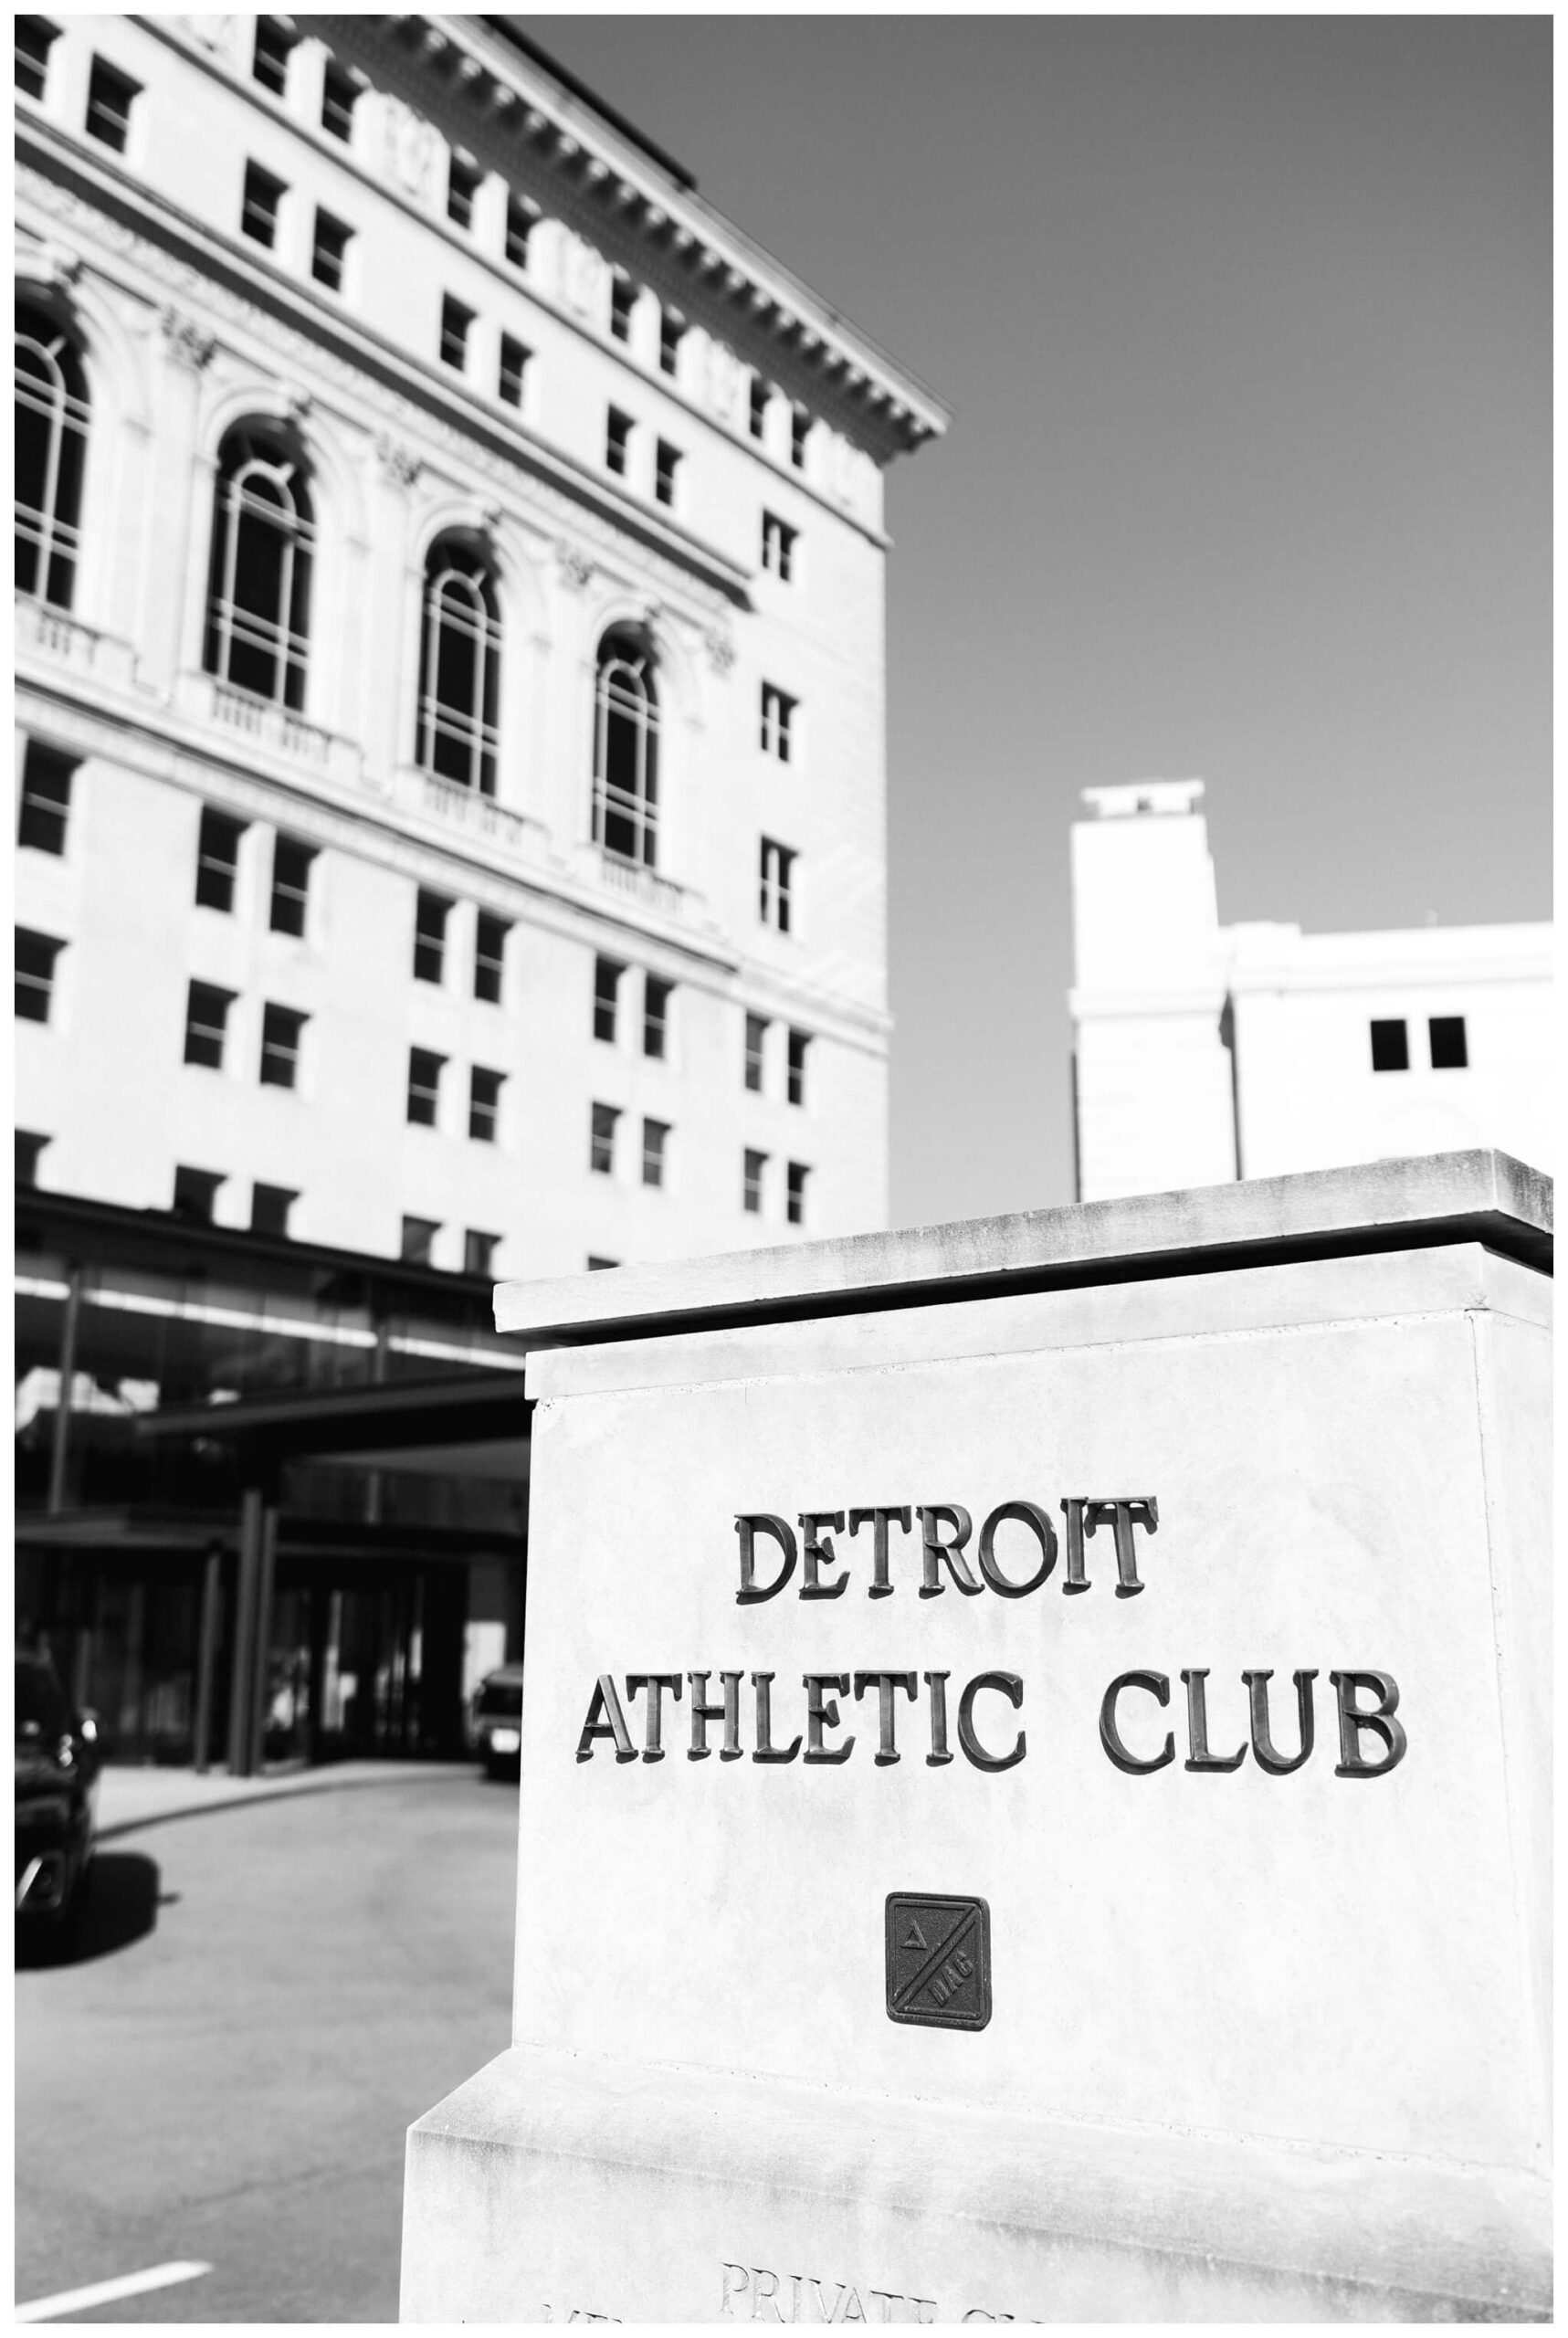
643, 885
275, 730
58, 639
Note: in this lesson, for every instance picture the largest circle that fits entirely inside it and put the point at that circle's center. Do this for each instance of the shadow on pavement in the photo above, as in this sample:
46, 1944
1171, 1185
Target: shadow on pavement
120, 1907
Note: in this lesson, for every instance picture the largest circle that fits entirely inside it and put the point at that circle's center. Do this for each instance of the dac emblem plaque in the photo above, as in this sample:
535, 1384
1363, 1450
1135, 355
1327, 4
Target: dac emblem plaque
939, 1960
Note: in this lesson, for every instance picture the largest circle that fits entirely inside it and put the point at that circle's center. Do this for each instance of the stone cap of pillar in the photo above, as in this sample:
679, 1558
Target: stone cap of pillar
1401, 1205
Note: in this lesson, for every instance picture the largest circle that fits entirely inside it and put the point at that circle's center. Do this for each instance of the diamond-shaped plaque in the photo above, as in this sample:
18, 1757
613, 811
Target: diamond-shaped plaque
939, 1960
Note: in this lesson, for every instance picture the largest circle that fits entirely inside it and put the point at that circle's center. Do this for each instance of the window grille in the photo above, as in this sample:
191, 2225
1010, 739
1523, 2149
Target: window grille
50, 456
489, 956
778, 715
430, 912
259, 602
206, 1025
655, 1017
601, 1140
281, 1029
47, 776
778, 547
423, 1086
774, 890
655, 1135
291, 884
109, 98
217, 858
484, 1104
625, 749
606, 997
35, 955
460, 668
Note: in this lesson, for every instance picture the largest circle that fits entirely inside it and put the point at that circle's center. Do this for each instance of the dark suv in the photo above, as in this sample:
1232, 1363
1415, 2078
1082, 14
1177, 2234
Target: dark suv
56, 1784
495, 1721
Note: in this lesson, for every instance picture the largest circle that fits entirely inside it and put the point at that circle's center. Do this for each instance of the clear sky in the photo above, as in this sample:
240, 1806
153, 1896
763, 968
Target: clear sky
1247, 325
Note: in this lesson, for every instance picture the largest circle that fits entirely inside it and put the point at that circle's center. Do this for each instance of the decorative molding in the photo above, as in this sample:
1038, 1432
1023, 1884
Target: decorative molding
190, 343
411, 149
720, 650
399, 463
54, 265
576, 568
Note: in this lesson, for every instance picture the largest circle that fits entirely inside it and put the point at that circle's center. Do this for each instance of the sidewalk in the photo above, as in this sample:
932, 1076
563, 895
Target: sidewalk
132, 1795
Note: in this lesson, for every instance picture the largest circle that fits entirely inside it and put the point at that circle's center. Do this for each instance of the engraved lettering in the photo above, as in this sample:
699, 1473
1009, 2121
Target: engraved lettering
822, 1713
1198, 1754
606, 1701
889, 2298
816, 1552
1120, 1512
1159, 1688
747, 1528
936, 1553
881, 1588
827, 2312
886, 1682
732, 2288
767, 1751
1008, 1685
1379, 1719
1027, 1513
655, 1683
1263, 1749
937, 1683
729, 1712
762, 2296
852, 2310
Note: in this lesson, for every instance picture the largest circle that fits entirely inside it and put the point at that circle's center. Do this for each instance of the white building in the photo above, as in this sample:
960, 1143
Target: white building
450, 661
1205, 1052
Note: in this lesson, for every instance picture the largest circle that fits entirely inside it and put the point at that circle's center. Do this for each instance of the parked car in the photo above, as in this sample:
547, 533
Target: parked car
495, 1719
58, 1764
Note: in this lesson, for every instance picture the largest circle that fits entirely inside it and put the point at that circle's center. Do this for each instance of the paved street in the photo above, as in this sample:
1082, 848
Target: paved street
268, 1992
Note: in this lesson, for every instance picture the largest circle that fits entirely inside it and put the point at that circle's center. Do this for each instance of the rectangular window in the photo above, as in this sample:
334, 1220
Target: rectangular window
424, 1087
46, 777
329, 252
606, 995
757, 417
521, 222
798, 1044
429, 936
340, 95
617, 442
653, 1135
291, 884
756, 1043
484, 1104
795, 1195
455, 323
462, 186
110, 98
35, 955
269, 1208
280, 1031
667, 466
206, 1025
34, 38
600, 1265
217, 858
778, 546
778, 714
672, 332
601, 1140
479, 1253
1390, 1047
258, 210
29, 1153
799, 424
196, 1193
777, 874
418, 1240
270, 60
1445, 1037
489, 956
623, 298
514, 360
655, 1017
752, 1183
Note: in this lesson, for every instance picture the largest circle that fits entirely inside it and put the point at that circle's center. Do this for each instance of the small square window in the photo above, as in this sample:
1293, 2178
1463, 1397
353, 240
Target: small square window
606, 996
340, 95
269, 1208
196, 1193
799, 424
617, 442
206, 1025
655, 1134
655, 1017
280, 1032
489, 956
1390, 1047
455, 323
514, 375
778, 547
756, 1044
778, 715
521, 222
479, 1253
798, 1044
217, 858
258, 210
424, 1087
329, 253
270, 60
797, 1174
484, 1104
35, 36
671, 333
29, 1153
47, 776
1445, 1037
601, 1140
35, 955
622, 299
777, 872
757, 415
752, 1183
418, 1240
666, 467
462, 186
110, 98
291, 884
430, 912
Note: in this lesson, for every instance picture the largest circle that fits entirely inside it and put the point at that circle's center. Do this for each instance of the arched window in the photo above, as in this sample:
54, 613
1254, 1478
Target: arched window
258, 597
459, 667
626, 748
51, 448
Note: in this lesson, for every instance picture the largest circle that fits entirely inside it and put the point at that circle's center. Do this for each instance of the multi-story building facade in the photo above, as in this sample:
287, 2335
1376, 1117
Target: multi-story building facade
1205, 1052
450, 676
